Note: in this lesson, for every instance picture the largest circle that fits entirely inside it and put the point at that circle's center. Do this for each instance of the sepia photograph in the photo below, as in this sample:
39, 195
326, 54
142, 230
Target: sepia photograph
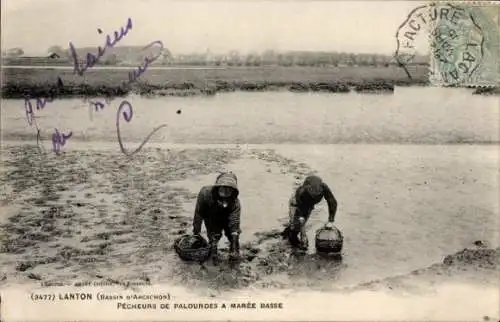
250, 160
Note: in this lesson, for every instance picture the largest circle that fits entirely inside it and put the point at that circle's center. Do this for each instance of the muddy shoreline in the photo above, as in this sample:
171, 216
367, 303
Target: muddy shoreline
23, 82
487, 91
20, 91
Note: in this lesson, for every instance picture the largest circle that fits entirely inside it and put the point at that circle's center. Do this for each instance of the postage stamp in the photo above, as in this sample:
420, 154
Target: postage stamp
463, 40
168, 160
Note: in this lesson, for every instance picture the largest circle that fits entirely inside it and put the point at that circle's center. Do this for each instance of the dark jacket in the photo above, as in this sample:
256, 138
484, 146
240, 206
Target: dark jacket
209, 210
311, 192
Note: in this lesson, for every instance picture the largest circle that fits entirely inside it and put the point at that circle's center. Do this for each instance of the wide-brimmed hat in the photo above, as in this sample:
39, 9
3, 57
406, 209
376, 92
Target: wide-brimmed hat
228, 179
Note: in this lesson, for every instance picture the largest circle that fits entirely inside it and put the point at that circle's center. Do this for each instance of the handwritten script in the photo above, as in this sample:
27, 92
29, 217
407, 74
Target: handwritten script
58, 139
92, 59
30, 117
127, 116
125, 110
132, 76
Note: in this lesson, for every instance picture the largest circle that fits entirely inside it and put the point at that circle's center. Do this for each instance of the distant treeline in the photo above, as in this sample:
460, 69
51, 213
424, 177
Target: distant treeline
132, 55
292, 58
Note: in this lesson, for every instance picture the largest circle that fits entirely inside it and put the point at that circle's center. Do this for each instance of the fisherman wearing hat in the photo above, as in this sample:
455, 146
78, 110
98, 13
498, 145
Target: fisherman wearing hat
302, 202
219, 208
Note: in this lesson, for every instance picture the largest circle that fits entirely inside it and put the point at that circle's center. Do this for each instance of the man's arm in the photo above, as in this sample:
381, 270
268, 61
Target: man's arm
200, 208
234, 228
331, 201
234, 218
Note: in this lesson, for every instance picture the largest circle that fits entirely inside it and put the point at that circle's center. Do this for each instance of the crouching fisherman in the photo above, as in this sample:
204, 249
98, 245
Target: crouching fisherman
301, 204
219, 208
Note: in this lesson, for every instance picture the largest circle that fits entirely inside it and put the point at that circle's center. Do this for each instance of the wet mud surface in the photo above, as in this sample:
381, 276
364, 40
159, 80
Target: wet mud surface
90, 215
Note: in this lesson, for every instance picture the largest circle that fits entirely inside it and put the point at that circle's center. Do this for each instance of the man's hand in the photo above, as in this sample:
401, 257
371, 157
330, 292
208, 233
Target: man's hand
329, 225
214, 254
234, 254
304, 241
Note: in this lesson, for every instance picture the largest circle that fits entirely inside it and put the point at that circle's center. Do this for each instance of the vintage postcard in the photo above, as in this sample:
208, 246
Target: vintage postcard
249, 160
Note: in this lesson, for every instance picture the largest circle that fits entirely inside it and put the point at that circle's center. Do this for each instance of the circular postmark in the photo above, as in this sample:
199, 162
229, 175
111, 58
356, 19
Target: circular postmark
407, 36
455, 42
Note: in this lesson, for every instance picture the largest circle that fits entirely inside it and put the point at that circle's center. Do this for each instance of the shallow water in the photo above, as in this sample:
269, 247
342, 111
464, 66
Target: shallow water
404, 207
410, 115
401, 206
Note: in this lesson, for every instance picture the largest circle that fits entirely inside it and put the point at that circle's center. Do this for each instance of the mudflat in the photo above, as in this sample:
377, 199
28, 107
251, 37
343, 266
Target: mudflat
96, 215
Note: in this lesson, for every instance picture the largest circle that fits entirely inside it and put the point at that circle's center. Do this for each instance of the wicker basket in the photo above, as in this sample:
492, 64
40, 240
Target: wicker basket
192, 248
329, 240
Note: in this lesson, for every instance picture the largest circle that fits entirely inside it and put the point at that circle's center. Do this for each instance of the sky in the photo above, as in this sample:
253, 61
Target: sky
195, 26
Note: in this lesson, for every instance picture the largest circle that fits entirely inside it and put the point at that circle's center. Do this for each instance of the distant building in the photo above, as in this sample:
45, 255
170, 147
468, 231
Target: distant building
54, 55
